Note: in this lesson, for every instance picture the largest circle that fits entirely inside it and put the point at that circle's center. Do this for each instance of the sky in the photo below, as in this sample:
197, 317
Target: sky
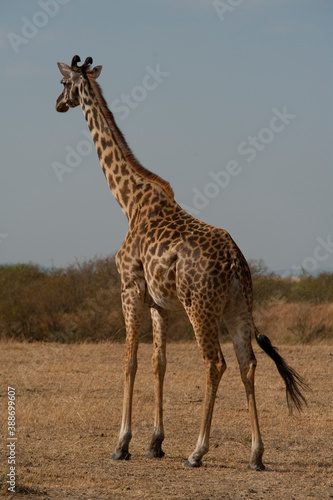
230, 101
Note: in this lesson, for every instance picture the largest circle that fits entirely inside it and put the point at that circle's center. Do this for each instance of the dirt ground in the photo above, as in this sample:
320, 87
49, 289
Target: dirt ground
68, 411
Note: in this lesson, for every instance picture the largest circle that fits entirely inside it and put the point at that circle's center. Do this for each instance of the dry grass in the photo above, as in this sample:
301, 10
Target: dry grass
69, 409
296, 323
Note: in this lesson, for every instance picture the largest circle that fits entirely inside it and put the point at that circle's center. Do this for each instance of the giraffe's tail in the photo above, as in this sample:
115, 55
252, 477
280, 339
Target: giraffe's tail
295, 384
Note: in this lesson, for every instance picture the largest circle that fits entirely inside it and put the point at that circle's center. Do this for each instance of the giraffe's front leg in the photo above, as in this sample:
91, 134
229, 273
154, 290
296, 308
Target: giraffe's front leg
132, 307
160, 321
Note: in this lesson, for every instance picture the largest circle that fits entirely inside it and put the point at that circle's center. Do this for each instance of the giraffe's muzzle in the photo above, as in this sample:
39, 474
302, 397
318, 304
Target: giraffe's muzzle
61, 106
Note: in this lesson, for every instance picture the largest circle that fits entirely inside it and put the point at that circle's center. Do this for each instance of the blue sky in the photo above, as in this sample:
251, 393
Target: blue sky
238, 118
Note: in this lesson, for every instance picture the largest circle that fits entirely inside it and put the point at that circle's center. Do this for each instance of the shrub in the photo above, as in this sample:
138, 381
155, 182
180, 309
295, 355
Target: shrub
82, 302
315, 289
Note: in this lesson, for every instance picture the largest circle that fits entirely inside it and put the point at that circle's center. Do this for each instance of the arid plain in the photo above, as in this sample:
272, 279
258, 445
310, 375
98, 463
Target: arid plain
68, 411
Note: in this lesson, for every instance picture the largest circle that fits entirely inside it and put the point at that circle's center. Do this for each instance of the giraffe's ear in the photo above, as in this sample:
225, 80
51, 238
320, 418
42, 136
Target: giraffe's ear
67, 72
64, 69
96, 71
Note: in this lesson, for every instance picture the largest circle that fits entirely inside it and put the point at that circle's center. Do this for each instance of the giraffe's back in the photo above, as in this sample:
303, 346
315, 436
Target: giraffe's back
187, 260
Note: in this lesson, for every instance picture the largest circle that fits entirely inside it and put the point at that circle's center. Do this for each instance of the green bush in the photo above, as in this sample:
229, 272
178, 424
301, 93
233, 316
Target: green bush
64, 305
315, 289
82, 302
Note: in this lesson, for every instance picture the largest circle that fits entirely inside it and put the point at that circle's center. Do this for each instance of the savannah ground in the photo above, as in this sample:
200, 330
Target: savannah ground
68, 410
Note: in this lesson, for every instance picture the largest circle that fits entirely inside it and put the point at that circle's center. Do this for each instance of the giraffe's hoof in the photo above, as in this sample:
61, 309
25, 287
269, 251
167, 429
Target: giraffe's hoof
257, 467
121, 455
198, 463
155, 447
153, 453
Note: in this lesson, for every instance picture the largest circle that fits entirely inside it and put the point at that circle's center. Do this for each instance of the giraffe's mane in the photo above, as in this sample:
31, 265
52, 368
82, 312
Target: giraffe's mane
121, 141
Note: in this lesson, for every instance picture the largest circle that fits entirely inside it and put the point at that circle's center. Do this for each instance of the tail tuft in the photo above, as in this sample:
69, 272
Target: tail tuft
294, 382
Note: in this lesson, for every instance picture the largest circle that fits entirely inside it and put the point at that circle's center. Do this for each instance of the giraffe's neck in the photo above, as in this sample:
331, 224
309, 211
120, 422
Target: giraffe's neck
131, 184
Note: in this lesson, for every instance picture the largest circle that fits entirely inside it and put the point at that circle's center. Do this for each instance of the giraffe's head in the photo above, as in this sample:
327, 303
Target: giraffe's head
72, 78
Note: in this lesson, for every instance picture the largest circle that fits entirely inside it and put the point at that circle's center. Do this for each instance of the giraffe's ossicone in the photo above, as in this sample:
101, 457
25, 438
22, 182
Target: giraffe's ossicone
169, 258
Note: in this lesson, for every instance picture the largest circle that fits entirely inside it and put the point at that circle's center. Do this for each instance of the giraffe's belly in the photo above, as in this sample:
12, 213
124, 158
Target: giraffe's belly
160, 278
170, 301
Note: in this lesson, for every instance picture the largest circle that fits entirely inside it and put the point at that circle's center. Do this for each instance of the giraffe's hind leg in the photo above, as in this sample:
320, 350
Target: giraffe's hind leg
240, 327
160, 320
207, 331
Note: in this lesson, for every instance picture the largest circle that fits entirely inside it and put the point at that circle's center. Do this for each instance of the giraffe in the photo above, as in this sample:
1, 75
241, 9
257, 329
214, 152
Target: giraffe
169, 257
